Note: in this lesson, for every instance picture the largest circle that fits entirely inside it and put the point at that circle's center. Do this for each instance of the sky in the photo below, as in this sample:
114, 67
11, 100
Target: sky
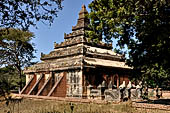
46, 35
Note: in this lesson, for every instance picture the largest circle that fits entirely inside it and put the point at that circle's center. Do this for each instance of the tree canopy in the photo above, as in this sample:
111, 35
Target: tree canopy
16, 49
143, 26
25, 13
9, 80
16, 16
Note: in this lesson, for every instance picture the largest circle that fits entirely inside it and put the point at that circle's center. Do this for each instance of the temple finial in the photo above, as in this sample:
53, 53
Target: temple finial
83, 6
83, 10
83, 20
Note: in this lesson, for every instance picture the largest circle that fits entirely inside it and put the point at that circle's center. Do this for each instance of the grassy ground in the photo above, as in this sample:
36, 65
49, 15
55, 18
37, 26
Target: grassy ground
51, 106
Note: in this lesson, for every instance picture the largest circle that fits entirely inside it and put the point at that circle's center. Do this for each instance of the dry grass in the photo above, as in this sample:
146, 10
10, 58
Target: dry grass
51, 106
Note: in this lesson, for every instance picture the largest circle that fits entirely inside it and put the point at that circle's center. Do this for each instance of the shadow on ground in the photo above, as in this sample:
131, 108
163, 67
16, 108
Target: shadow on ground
159, 101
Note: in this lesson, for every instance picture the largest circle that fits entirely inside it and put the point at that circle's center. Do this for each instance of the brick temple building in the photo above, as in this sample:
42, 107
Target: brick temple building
75, 64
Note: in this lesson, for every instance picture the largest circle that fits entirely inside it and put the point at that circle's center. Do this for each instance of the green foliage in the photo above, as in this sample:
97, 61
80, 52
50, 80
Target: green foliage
16, 49
142, 26
9, 80
26, 13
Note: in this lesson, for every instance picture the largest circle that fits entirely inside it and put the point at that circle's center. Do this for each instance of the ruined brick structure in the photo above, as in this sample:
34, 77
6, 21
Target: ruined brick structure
74, 64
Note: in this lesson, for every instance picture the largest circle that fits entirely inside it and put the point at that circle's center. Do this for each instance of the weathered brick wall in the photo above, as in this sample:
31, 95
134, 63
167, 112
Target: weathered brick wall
42, 81
30, 85
60, 90
47, 88
38, 86
124, 78
166, 94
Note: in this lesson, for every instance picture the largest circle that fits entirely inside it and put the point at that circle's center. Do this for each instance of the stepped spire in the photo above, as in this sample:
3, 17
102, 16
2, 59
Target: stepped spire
83, 12
83, 20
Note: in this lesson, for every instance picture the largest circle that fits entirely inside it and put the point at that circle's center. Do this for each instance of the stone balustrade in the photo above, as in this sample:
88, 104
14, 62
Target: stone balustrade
123, 94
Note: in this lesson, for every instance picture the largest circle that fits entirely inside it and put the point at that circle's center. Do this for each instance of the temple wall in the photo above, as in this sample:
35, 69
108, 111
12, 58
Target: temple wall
28, 77
47, 76
41, 83
124, 78
57, 76
48, 86
31, 84
60, 90
38, 76
101, 51
74, 83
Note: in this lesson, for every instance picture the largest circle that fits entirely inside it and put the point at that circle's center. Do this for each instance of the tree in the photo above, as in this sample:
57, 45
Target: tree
141, 25
8, 80
25, 13
16, 49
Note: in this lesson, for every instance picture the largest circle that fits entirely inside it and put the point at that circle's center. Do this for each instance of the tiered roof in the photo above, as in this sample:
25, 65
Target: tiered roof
77, 52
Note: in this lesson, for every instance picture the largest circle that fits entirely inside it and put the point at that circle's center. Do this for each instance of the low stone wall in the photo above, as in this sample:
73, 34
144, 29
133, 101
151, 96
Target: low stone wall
151, 106
112, 95
165, 94
135, 94
123, 94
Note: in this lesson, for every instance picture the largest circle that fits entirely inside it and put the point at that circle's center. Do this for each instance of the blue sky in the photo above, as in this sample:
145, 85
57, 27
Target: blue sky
45, 35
